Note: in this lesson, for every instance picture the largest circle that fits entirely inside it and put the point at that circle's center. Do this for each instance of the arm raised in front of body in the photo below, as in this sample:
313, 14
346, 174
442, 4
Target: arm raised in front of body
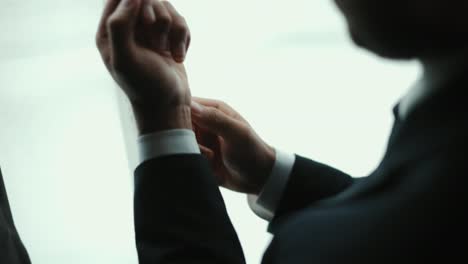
180, 216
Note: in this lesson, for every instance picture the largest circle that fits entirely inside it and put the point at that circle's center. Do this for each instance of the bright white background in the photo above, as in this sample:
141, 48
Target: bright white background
287, 66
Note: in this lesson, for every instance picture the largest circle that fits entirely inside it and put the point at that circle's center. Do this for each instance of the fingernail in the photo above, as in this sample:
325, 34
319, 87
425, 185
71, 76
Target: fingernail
197, 108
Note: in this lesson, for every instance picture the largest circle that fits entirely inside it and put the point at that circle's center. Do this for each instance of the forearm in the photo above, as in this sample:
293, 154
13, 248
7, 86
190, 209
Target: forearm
309, 182
295, 183
180, 216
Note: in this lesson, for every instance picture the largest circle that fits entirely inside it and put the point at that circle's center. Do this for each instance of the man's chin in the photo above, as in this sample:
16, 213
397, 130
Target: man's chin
410, 44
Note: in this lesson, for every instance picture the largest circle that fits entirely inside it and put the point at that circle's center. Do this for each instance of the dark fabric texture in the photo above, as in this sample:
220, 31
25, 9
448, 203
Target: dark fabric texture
12, 250
180, 216
411, 209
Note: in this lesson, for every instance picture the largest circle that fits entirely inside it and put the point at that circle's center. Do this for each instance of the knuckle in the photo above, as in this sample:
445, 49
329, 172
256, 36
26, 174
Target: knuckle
164, 22
181, 26
166, 4
223, 104
181, 20
217, 103
114, 23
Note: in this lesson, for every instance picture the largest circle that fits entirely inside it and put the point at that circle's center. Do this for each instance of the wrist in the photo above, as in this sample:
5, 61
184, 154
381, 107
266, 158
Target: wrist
266, 166
151, 120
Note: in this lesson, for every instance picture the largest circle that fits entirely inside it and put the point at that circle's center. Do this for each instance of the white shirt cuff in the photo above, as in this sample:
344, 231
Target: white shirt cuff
166, 143
265, 204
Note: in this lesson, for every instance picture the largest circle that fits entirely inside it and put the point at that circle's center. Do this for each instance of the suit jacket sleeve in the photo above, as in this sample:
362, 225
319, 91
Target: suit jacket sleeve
309, 182
180, 215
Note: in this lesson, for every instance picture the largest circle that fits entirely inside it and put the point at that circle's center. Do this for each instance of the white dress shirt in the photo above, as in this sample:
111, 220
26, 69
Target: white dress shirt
165, 143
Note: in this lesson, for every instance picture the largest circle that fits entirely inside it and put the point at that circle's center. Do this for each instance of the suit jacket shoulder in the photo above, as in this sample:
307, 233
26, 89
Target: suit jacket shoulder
12, 250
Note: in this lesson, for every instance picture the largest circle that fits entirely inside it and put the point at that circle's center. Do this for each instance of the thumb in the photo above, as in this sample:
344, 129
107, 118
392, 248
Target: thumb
121, 25
216, 121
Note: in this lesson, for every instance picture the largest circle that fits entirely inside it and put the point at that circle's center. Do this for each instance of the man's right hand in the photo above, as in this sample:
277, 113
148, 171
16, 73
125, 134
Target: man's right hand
241, 160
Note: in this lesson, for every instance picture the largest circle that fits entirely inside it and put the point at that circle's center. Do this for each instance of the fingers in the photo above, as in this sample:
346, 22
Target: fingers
207, 138
179, 35
216, 121
222, 106
110, 7
168, 32
214, 103
215, 164
121, 26
148, 15
208, 153
116, 29
162, 26
102, 37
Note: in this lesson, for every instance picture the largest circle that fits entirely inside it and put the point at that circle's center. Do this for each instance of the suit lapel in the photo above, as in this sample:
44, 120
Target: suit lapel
440, 121
437, 122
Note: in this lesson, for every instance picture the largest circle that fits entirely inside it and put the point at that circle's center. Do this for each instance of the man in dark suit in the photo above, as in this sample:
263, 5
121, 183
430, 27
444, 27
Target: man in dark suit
409, 210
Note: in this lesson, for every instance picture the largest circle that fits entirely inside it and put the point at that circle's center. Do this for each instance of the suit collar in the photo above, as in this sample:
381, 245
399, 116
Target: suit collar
437, 74
439, 120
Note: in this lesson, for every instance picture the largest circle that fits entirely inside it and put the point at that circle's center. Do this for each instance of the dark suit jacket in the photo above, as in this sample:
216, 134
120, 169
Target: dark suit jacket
411, 209
11, 249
